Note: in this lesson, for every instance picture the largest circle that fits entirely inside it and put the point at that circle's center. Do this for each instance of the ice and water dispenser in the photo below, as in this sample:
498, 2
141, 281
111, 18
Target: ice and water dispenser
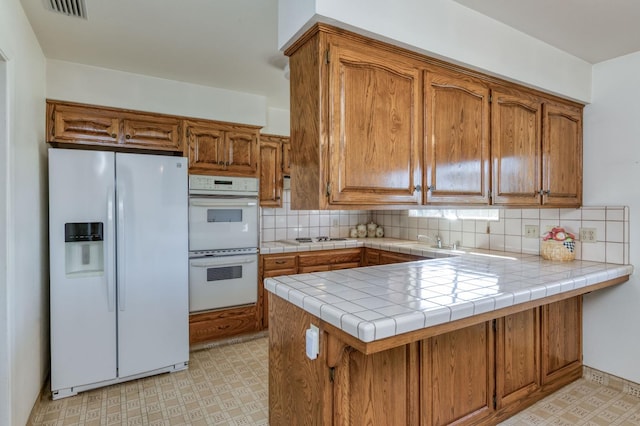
84, 249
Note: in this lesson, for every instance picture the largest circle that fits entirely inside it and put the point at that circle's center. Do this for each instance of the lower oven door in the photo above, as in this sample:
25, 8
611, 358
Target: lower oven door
220, 282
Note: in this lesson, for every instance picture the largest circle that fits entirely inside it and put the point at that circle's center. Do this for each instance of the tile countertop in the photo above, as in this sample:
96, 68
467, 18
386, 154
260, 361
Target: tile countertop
376, 302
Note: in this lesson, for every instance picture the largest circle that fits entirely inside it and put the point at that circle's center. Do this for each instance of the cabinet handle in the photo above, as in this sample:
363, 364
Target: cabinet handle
280, 262
221, 163
431, 188
543, 192
113, 135
277, 198
226, 164
417, 188
128, 136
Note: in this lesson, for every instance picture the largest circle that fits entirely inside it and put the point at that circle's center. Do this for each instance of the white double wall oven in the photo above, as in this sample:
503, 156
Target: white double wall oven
223, 242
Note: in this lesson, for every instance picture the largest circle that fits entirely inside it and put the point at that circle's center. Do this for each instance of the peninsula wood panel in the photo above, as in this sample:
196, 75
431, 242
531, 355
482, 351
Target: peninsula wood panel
377, 389
374, 125
457, 139
458, 376
562, 156
561, 338
517, 356
516, 149
270, 172
300, 390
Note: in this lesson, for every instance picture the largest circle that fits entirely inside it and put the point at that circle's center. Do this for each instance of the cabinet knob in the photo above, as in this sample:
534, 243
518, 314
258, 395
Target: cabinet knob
128, 136
113, 135
277, 198
221, 163
226, 164
543, 192
431, 188
417, 188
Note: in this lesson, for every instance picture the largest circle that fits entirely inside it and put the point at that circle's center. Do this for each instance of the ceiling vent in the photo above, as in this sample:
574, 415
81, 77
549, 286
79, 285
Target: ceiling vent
75, 8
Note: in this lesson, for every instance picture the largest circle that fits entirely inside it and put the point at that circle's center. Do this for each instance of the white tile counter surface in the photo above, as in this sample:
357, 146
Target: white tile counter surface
375, 302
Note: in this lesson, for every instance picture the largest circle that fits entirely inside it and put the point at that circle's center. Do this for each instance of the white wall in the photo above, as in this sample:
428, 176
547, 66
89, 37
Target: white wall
611, 176
278, 122
446, 29
24, 360
101, 86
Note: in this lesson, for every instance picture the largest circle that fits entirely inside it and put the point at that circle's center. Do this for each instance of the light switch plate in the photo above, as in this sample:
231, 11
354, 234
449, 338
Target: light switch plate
312, 342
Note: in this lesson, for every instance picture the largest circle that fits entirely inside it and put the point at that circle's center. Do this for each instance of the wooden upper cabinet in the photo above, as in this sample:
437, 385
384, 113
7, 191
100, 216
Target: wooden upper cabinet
457, 139
374, 125
155, 132
222, 148
79, 124
516, 148
562, 156
82, 125
270, 171
286, 157
355, 125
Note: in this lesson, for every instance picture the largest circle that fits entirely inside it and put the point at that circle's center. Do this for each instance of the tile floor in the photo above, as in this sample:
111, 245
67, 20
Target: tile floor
227, 385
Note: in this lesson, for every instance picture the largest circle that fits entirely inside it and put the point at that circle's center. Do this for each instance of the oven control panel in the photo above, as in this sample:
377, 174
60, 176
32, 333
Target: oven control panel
204, 184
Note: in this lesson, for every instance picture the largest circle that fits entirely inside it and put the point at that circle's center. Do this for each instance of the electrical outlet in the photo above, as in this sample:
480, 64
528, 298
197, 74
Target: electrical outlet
531, 231
588, 235
335, 222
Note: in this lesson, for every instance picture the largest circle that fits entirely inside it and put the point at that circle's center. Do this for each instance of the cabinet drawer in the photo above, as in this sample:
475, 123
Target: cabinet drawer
279, 262
329, 258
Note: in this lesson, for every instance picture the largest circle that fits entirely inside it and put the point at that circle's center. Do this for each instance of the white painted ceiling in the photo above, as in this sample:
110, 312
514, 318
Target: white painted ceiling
232, 44
594, 30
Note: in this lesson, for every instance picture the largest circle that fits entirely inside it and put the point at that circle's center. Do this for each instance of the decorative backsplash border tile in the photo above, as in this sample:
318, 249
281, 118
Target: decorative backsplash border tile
507, 234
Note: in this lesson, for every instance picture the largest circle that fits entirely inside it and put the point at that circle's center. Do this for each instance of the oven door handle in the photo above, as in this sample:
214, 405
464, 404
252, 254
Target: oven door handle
222, 203
210, 263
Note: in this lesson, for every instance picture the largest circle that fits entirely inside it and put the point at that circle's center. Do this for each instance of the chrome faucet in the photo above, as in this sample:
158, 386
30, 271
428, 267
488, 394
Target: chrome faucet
436, 239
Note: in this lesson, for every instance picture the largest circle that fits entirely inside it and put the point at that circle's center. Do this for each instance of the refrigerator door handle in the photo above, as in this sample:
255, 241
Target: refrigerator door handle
120, 249
109, 270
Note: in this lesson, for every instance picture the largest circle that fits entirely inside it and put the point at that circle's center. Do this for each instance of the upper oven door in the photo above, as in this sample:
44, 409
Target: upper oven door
222, 223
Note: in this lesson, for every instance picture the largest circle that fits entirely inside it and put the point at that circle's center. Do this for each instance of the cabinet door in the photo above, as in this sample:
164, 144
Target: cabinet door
517, 356
242, 153
83, 125
161, 133
561, 339
274, 266
516, 145
374, 124
457, 145
270, 174
562, 156
458, 376
206, 148
286, 157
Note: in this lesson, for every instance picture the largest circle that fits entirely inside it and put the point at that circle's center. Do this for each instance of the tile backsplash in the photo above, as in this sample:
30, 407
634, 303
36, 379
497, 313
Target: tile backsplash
507, 234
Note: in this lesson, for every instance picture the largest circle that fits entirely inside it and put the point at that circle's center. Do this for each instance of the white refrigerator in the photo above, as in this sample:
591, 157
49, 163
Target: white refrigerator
118, 237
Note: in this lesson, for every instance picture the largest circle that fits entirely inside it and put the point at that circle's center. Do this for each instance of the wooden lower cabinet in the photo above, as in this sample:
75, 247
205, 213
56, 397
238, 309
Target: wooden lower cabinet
373, 257
479, 374
457, 376
222, 323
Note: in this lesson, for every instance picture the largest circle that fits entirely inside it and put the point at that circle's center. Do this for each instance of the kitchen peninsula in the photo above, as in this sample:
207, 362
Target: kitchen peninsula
467, 339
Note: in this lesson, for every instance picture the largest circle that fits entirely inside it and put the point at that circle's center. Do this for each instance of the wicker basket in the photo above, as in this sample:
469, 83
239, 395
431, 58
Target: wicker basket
558, 250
